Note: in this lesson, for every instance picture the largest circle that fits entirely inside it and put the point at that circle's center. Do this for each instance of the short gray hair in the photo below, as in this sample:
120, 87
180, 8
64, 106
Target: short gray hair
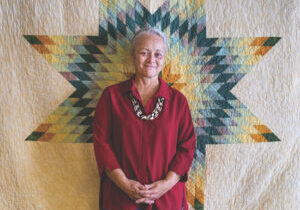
149, 30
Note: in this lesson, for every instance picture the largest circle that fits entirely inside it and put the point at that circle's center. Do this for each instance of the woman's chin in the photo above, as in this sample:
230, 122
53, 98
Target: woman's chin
150, 73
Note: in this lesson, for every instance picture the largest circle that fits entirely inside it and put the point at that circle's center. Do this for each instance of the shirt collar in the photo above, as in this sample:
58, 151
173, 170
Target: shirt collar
162, 91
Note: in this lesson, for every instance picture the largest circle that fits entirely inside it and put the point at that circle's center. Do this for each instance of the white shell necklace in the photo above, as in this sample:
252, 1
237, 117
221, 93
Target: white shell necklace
140, 112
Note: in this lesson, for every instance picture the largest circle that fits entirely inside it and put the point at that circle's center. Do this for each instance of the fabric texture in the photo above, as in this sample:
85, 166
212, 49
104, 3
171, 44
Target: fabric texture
204, 68
144, 149
46, 174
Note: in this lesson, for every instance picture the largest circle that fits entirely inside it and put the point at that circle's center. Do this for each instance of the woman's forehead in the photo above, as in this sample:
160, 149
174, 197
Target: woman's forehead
150, 41
149, 48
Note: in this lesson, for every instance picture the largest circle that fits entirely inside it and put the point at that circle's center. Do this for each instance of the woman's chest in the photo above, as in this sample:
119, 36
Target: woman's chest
129, 128
127, 116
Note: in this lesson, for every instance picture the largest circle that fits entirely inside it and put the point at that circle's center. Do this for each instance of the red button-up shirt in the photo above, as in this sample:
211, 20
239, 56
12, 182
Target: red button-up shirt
144, 149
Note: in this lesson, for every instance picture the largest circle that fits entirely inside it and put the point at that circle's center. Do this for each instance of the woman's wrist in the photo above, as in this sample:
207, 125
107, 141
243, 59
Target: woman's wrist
124, 184
172, 178
119, 178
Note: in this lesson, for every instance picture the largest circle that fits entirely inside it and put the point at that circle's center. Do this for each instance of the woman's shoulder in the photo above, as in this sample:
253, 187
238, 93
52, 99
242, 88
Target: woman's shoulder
117, 87
177, 95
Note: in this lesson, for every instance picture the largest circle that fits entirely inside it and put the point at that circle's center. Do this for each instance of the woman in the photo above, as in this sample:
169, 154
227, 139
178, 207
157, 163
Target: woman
144, 139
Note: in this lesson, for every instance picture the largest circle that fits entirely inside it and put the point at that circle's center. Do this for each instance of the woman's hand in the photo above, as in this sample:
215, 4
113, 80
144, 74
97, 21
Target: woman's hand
159, 188
143, 193
133, 189
154, 191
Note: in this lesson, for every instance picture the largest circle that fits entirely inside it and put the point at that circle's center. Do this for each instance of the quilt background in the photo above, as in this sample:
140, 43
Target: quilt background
61, 176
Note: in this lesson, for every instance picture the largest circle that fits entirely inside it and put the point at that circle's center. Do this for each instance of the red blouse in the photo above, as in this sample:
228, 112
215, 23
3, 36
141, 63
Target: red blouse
144, 149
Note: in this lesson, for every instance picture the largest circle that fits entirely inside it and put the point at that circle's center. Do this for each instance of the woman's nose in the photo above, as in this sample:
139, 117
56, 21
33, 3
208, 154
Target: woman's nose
151, 57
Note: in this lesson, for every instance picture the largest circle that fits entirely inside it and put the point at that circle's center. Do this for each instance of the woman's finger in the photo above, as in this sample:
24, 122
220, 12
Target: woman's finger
145, 194
138, 188
149, 186
145, 200
151, 191
141, 200
141, 187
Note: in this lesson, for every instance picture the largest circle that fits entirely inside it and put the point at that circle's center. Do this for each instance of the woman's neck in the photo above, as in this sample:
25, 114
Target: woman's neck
144, 83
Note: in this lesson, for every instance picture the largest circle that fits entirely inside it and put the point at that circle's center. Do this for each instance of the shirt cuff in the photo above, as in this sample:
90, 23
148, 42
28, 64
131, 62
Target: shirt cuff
108, 167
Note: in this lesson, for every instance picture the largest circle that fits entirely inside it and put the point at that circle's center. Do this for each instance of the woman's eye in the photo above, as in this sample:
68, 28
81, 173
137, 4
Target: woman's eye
143, 53
158, 55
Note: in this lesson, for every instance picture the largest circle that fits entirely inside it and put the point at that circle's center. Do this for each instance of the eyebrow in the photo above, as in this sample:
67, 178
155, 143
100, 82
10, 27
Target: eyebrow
149, 50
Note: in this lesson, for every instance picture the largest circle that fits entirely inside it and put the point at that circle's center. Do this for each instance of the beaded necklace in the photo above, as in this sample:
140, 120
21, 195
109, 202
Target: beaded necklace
140, 112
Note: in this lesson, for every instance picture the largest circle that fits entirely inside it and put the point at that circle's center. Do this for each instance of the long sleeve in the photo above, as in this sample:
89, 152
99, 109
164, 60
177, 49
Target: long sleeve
186, 144
102, 132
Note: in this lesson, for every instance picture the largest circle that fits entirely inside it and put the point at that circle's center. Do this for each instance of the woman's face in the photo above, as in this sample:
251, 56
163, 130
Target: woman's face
149, 55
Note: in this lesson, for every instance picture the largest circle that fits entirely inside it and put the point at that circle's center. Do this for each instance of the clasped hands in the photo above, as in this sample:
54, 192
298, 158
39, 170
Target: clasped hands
147, 193
143, 193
